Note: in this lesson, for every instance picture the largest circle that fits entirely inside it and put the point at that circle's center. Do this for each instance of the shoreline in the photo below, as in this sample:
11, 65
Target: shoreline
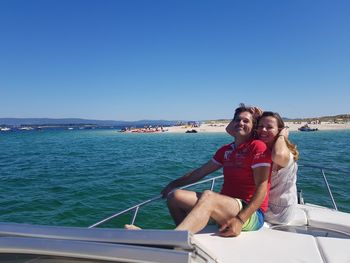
220, 127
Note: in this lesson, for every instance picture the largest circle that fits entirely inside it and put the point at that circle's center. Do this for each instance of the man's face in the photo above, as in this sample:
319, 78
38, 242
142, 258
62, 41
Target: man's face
241, 126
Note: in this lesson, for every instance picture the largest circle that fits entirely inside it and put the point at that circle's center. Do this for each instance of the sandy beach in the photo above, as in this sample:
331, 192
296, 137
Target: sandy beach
220, 127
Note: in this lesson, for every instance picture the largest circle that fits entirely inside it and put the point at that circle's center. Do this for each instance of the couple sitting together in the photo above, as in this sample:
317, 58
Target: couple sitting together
259, 170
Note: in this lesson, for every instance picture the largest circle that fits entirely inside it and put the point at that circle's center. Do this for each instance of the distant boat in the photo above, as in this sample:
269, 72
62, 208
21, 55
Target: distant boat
5, 129
191, 131
307, 128
26, 128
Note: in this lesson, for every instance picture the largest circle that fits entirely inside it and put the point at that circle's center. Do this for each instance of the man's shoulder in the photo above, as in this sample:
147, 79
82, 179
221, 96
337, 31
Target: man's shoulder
225, 148
229, 146
258, 143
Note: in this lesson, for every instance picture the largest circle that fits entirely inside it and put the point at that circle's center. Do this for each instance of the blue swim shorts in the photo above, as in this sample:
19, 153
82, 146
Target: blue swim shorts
255, 222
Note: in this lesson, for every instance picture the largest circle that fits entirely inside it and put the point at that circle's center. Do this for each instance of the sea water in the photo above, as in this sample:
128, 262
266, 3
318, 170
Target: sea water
78, 177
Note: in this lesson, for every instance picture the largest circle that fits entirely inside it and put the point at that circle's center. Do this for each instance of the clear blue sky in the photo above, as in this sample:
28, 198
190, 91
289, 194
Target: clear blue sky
180, 59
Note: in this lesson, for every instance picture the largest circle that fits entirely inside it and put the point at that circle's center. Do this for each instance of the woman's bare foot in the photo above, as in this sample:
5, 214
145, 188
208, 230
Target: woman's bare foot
132, 227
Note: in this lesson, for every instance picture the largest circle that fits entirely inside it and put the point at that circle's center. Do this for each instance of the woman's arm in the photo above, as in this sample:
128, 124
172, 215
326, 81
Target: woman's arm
280, 151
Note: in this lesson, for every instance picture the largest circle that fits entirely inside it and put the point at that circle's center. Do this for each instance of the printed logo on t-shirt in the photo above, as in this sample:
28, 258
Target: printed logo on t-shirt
241, 158
227, 155
234, 159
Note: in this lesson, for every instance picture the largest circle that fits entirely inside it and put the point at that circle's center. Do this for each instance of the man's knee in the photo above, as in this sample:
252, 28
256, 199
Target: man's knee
174, 197
207, 195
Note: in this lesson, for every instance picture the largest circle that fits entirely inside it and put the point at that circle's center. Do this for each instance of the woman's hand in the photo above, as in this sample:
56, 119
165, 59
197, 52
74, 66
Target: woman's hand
284, 132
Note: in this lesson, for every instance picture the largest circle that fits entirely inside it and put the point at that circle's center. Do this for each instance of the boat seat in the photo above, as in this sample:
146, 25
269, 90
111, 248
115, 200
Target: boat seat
319, 217
317, 234
334, 250
300, 218
274, 246
265, 244
325, 218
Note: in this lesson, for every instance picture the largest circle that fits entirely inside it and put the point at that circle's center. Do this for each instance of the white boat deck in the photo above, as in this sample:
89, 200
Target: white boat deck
318, 235
326, 239
268, 245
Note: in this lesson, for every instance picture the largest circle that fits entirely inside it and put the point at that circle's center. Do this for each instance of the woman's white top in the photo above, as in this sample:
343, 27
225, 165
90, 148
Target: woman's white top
283, 194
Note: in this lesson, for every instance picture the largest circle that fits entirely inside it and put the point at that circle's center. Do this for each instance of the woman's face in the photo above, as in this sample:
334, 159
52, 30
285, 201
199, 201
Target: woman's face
242, 126
268, 129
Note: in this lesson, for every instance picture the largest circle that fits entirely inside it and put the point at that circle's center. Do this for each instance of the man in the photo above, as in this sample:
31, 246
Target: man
243, 197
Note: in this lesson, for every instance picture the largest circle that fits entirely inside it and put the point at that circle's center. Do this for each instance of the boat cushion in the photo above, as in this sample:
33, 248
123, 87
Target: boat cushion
329, 219
334, 250
262, 245
299, 219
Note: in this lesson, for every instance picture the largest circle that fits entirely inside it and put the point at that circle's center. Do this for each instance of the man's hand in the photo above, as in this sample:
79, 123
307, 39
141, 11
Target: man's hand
232, 228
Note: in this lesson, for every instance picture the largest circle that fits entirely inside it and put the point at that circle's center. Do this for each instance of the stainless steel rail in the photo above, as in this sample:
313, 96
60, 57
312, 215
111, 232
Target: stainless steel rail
137, 207
325, 181
213, 181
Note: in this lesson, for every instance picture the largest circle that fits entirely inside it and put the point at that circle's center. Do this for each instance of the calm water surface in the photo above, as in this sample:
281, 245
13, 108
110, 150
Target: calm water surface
75, 178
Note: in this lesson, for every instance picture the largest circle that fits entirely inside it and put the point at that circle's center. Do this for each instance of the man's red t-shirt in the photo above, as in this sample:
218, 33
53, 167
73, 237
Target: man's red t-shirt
238, 165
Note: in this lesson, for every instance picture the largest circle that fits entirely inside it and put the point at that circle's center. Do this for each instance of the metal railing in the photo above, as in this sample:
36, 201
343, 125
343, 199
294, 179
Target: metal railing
155, 198
322, 170
213, 181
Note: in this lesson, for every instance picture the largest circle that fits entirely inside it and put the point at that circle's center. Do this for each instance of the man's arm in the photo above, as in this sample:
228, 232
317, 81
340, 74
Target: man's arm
191, 177
233, 227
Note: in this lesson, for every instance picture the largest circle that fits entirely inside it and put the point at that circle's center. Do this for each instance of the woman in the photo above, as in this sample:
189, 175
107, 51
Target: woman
283, 191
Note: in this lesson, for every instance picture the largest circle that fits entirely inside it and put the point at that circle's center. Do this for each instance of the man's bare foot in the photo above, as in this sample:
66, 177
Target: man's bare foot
132, 227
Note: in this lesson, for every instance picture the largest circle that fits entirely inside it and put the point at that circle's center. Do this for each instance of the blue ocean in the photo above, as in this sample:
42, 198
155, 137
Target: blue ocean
78, 177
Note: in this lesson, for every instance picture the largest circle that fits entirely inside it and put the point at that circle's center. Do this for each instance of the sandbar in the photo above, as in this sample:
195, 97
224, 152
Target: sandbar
220, 127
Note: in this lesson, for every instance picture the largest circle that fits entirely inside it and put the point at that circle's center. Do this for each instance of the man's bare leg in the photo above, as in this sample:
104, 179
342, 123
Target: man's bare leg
132, 227
180, 203
211, 205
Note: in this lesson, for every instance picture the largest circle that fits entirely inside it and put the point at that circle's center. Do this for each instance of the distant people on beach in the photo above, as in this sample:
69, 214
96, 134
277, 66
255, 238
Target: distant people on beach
243, 199
145, 129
